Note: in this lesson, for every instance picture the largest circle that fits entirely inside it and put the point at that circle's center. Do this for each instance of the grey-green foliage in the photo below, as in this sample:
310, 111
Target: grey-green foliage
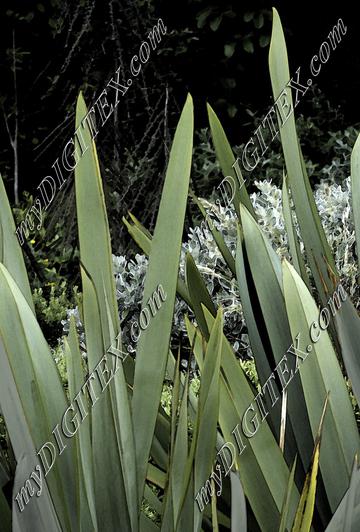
333, 203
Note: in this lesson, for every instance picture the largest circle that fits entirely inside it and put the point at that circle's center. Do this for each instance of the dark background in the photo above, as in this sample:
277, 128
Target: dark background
214, 49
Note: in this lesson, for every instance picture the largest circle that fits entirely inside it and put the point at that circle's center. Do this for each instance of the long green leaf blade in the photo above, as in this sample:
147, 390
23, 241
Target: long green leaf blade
320, 373
355, 192
317, 248
10, 251
227, 161
153, 344
32, 398
208, 411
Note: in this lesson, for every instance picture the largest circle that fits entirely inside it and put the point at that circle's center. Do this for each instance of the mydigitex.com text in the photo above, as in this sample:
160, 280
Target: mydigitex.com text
256, 412
75, 148
268, 130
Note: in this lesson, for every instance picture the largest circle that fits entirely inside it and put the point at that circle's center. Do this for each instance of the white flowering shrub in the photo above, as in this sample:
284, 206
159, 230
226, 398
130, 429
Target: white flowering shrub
333, 203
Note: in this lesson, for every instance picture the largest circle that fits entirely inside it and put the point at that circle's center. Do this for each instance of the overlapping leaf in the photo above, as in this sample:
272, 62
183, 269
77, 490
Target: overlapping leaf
153, 344
320, 373
33, 400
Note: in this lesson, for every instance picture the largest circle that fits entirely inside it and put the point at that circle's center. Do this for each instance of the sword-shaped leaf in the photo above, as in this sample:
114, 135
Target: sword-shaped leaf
153, 344
10, 251
347, 515
85, 467
355, 192
320, 373
32, 400
317, 248
208, 411
265, 267
228, 162
257, 458
198, 294
305, 511
298, 259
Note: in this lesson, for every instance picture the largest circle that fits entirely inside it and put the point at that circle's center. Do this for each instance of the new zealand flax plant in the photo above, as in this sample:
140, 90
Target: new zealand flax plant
132, 467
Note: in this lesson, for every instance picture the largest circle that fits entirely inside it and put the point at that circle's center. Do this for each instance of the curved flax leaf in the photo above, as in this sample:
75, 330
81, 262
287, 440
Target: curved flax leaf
180, 456
124, 426
238, 504
320, 373
261, 457
208, 411
143, 239
93, 229
285, 517
10, 251
347, 515
355, 191
76, 377
305, 512
40, 513
347, 322
227, 161
32, 399
262, 360
153, 344
304, 515
198, 294
266, 271
317, 248
98, 278
297, 257
110, 504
